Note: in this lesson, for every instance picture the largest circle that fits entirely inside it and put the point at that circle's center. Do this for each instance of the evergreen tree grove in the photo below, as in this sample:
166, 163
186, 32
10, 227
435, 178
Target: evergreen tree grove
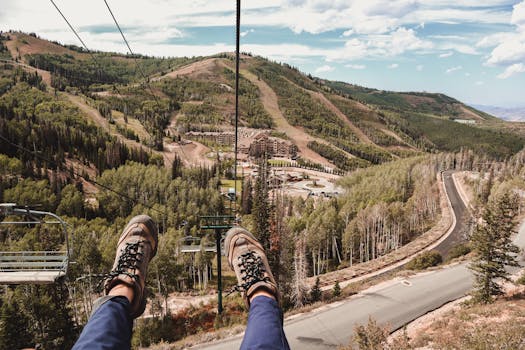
261, 207
13, 327
494, 249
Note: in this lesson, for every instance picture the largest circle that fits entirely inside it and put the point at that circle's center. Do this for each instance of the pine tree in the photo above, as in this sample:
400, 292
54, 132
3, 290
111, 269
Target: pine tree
494, 249
336, 292
315, 292
247, 197
176, 167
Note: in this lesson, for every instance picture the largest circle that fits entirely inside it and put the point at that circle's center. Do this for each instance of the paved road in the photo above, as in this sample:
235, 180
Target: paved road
462, 215
395, 303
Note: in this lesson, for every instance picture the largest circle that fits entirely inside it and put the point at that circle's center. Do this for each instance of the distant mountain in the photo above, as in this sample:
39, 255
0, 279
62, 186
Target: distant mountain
516, 114
331, 123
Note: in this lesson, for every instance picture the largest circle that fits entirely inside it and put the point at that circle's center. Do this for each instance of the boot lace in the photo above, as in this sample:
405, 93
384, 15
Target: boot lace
252, 271
129, 260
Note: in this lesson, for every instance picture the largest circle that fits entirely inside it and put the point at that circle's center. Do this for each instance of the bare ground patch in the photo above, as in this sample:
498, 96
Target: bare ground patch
469, 114
197, 69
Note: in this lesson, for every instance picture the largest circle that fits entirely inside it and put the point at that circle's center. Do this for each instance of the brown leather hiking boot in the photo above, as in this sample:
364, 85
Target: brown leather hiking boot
136, 247
247, 259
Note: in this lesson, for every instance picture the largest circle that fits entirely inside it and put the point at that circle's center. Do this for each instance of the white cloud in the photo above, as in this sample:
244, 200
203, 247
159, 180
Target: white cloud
495, 39
467, 74
447, 37
392, 44
518, 15
406, 40
282, 52
353, 49
243, 34
446, 54
458, 47
324, 69
432, 12
355, 66
348, 32
479, 83
509, 48
453, 69
508, 52
419, 67
393, 66
511, 70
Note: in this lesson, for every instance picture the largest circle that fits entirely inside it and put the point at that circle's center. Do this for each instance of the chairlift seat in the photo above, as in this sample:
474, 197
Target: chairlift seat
33, 267
197, 248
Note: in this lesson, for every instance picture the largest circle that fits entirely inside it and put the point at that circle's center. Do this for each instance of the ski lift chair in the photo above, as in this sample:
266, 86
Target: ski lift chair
32, 267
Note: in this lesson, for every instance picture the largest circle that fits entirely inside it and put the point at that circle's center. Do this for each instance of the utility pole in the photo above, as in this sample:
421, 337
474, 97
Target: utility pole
219, 270
237, 63
218, 223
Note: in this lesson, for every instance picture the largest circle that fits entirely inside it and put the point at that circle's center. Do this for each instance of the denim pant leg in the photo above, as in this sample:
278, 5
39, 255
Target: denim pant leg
109, 326
265, 326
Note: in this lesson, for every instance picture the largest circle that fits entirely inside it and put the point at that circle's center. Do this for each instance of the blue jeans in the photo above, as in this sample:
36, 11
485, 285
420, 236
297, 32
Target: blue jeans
109, 327
265, 326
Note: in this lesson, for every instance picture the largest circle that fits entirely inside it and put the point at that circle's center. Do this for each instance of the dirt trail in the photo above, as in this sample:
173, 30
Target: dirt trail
358, 132
398, 138
91, 112
200, 67
191, 154
300, 138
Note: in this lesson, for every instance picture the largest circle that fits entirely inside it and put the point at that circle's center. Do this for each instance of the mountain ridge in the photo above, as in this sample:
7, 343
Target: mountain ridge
333, 123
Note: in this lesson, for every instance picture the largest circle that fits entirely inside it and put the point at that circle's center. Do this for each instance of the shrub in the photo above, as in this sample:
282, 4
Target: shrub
521, 279
459, 250
370, 337
425, 260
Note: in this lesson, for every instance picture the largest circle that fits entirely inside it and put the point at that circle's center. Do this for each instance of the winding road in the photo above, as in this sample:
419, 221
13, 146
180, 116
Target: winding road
460, 211
395, 302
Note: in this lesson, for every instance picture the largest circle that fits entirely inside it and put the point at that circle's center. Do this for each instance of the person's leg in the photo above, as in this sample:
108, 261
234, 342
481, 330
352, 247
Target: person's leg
265, 325
248, 260
111, 321
109, 327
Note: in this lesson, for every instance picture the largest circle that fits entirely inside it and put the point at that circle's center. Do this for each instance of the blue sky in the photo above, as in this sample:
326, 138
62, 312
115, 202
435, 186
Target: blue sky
473, 50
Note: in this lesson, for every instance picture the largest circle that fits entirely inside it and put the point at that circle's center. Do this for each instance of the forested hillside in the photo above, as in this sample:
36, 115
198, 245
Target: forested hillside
99, 140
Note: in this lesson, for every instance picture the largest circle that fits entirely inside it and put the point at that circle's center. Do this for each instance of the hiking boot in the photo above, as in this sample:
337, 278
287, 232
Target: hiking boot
247, 259
136, 247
